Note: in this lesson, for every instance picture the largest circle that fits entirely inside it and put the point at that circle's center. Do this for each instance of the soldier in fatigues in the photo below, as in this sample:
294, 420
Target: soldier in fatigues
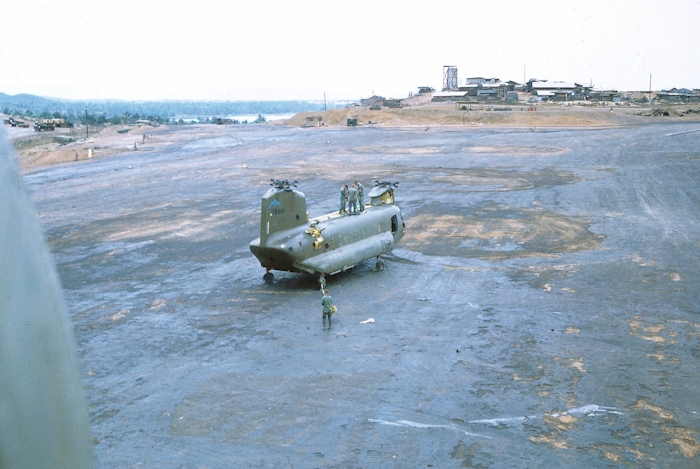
327, 303
352, 199
343, 198
360, 195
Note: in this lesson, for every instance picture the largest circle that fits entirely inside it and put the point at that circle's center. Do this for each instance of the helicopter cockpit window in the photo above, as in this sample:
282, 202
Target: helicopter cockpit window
394, 224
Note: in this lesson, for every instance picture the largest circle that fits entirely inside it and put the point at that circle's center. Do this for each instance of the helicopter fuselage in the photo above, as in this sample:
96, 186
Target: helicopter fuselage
324, 245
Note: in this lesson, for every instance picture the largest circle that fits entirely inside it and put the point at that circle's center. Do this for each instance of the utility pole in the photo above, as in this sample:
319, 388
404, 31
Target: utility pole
324, 101
86, 125
650, 85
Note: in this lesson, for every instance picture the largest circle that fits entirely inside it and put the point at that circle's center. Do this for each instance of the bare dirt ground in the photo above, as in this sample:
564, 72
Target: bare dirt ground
38, 149
543, 309
548, 115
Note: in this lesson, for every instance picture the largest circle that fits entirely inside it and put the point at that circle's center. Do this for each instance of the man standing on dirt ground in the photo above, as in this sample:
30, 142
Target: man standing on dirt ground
360, 195
327, 303
352, 199
343, 198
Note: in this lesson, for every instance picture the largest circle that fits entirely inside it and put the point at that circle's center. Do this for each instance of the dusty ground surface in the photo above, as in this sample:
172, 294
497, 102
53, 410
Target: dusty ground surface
541, 311
521, 115
38, 148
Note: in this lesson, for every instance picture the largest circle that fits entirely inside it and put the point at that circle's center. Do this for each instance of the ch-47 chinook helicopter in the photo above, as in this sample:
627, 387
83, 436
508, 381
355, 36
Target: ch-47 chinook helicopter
328, 244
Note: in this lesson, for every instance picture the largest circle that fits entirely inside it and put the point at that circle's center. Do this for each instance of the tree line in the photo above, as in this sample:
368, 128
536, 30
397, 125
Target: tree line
127, 112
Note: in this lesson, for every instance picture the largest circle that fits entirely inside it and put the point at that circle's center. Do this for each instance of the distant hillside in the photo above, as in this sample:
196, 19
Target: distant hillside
27, 104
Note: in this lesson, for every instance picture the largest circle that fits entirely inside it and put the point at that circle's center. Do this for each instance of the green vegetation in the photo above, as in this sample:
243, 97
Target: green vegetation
128, 112
41, 138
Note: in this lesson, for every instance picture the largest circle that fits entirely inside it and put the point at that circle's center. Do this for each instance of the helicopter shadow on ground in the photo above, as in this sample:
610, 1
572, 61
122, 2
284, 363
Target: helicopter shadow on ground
290, 281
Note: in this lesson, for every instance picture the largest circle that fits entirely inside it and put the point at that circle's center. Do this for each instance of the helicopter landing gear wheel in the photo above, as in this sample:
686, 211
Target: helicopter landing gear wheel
268, 278
379, 265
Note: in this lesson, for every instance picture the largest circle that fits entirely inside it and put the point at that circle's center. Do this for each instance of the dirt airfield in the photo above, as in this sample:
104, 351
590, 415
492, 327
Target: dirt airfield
38, 148
541, 311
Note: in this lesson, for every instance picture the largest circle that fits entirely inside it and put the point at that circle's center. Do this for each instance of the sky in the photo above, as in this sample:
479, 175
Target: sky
276, 50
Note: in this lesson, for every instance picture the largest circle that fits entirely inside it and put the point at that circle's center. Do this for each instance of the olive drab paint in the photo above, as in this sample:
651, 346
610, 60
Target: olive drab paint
290, 241
282, 209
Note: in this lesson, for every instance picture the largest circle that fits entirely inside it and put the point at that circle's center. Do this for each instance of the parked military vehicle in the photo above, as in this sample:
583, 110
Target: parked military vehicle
65, 124
290, 241
15, 122
50, 124
39, 126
